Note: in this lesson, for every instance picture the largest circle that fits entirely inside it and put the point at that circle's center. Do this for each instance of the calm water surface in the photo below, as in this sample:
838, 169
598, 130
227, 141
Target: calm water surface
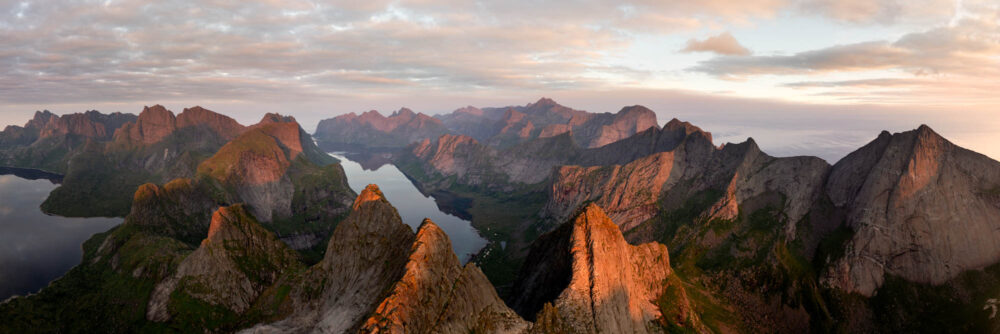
36, 248
413, 206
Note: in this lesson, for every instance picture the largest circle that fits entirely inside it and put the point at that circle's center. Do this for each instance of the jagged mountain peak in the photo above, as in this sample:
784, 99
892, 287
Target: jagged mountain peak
544, 101
277, 118
675, 124
404, 111
635, 109
223, 219
915, 203
590, 213
596, 280
371, 193
469, 110
371, 113
40, 119
155, 108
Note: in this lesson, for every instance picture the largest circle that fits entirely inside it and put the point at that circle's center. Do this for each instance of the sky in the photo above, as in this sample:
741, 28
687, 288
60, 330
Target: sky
816, 77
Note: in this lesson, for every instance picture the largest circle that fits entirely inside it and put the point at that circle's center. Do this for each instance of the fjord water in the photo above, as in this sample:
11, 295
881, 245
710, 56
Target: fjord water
36, 248
413, 206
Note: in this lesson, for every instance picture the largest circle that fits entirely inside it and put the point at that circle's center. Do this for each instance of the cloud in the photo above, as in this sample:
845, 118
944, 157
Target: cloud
723, 44
128, 50
956, 64
969, 46
86, 52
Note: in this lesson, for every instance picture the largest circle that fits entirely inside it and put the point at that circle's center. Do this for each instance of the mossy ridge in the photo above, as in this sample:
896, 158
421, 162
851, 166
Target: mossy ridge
747, 253
79, 302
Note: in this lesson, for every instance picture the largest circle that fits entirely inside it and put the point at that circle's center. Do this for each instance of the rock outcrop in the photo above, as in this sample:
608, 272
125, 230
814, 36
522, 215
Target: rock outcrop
594, 280
377, 276
91, 124
921, 208
232, 266
366, 255
438, 295
630, 192
179, 209
255, 165
156, 123
220, 124
635, 192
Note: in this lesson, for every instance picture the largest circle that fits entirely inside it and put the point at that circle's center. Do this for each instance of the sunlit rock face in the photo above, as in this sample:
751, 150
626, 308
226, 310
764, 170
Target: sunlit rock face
594, 280
438, 295
90, 124
257, 165
921, 208
637, 190
222, 125
377, 275
156, 123
235, 262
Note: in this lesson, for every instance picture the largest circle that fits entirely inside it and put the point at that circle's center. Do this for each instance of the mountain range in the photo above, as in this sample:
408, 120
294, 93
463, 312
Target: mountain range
598, 223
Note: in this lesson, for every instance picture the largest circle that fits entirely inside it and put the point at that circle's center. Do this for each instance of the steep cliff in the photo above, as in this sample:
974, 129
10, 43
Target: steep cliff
921, 208
595, 282
229, 270
436, 294
377, 276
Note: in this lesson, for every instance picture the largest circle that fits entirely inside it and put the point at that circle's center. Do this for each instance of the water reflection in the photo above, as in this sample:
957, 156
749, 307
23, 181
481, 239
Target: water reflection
413, 206
36, 248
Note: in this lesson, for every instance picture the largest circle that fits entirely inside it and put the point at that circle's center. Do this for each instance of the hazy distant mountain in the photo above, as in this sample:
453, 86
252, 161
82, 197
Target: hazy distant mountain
497, 127
371, 130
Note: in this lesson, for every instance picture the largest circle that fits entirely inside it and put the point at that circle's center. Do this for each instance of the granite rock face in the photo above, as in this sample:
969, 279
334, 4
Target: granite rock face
91, 124
630, 191
222, 125
436, 294
255, 165
595, 280
366, 255
636, 191
259, 164
377, 276
156, 123
920, 207
232, 266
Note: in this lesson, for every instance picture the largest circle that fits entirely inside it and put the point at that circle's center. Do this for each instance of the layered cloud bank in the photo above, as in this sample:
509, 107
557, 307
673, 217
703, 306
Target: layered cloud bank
342, 56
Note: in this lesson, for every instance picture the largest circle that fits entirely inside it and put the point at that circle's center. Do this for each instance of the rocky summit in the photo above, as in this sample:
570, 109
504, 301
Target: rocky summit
587, 277
921, 207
